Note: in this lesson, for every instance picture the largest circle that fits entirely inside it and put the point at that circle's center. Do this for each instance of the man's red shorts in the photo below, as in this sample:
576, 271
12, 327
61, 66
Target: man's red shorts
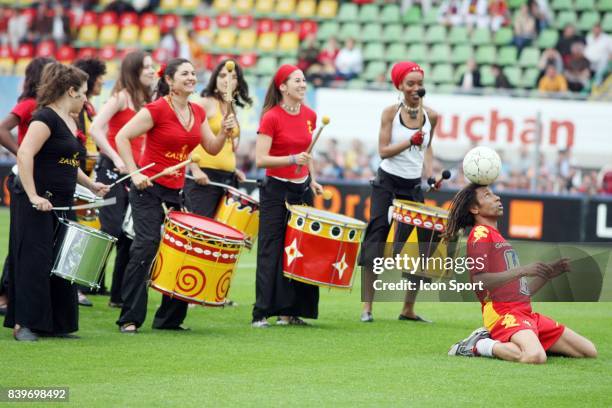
547, 330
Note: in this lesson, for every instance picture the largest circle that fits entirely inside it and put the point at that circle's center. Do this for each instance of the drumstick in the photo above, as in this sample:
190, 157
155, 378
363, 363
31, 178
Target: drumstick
131, 174
325, 121
327, 195
229, 91
169, 170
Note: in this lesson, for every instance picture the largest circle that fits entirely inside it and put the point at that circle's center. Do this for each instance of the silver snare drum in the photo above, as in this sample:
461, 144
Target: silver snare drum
81, 253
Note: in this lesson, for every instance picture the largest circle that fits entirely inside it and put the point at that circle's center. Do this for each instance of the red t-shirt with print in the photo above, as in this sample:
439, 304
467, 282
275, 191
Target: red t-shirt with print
169, 143
291, 134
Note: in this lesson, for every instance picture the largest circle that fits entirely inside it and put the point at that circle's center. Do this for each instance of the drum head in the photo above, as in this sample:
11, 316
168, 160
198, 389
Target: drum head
421, 208
242, 196
206, 225
326, 216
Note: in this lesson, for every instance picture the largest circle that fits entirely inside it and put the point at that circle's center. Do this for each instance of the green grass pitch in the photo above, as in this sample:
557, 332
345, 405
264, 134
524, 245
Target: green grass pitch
339, 361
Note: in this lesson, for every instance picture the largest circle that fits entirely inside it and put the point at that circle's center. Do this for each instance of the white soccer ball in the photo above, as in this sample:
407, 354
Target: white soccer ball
482, 165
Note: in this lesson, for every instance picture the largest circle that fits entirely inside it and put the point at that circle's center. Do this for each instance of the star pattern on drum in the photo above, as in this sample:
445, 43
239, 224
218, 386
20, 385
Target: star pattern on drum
341, 265
292, 252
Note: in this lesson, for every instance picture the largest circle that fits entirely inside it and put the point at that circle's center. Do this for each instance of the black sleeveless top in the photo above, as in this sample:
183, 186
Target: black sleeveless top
56, 164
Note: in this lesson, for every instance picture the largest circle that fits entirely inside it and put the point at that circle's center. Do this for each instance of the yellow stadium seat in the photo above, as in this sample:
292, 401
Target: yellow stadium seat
327, 9
289, 42
222, 6
267, 42
285, 7
264, 7
306, 9
108, 35
226, 38
149, 37
246, 39
21, 65
6, 66
103, 3
88, 35
129, 36
244, 6
168, 6
190, 6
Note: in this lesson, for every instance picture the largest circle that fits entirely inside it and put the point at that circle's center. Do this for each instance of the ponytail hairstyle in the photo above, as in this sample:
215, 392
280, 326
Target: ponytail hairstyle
56, 80
273, 97
163, 88
459, 215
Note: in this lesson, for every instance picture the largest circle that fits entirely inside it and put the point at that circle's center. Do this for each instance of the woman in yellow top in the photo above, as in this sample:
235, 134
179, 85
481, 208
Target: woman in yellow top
200, 197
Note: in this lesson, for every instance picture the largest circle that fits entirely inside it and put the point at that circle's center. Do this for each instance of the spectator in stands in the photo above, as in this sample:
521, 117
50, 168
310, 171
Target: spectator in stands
552, 81
17, 29
550, 56
308, 59
470, 79
120, 7
407, 4
599, 52
604, 180
524, 28
500, 16
193, 50
61, 26
577, 69
449, 13
349, 61
170, 43
475, 13
42, 25
501, 80
569, 36
327, 63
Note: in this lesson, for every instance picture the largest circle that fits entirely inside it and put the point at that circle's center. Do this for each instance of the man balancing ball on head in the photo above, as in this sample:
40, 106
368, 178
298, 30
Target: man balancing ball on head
513, 331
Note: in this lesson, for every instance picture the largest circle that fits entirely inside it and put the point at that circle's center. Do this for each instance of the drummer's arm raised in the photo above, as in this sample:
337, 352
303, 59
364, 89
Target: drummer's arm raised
140, 124
38, 133
385, 148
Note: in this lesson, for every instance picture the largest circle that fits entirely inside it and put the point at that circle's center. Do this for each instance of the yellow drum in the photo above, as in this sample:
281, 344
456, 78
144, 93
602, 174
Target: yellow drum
240, 211
89, 216
415, 232
196, 259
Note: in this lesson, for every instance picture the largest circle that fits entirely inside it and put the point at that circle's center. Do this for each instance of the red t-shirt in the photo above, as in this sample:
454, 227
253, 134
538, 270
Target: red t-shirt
497, 255
168, 143
291, 134
115, 124
23, 110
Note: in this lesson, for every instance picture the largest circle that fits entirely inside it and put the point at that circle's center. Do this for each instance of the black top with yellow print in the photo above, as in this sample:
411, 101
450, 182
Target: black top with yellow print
56, 164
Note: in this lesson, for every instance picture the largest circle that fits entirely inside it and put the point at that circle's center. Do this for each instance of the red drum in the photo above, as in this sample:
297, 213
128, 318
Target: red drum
321, 247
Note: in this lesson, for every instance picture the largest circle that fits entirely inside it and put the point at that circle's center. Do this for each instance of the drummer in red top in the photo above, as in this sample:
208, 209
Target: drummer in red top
20, 117
131, 92
513, 331
285, 132
174, 127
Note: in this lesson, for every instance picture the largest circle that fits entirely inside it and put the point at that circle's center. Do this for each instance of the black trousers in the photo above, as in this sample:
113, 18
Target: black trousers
148, 215
38, 300
385, 188
276, 295
111, 221
9, 261
203, 200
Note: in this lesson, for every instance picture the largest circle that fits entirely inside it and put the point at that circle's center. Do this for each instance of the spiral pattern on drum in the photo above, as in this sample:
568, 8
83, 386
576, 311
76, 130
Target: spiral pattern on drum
223, 285
157, 266
190, 281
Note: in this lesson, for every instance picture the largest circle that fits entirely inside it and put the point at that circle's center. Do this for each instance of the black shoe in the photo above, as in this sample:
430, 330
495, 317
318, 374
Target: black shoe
66, 336
83, 301
414, 319
177, 328
124, 329
3, 310
25, 334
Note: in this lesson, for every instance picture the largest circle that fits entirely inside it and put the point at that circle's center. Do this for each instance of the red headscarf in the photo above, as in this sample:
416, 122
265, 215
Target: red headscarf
283, 73
401, 69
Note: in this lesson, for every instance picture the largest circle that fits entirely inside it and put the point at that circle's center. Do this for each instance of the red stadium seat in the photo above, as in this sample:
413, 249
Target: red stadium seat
168, 22
30, 15
128, 19
25, 50
307, 28
265, 25
5, 51
244, 21
87, 52
89, 18
148, 20
65, 54
122, 53
248, 60
108, 53
201, 23
45, 48
108, 18
286, 26
224, 20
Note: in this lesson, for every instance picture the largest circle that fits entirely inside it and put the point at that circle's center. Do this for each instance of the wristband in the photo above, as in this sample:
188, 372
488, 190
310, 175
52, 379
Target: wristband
293, 159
